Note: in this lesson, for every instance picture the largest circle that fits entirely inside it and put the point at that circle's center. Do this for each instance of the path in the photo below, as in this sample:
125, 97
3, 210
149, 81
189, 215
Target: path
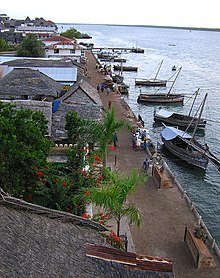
164, 212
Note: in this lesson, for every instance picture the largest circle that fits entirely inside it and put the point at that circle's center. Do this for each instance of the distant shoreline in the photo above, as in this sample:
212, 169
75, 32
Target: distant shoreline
148, 26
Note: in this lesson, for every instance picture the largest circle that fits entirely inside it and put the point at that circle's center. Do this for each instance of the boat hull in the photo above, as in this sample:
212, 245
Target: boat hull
181, 121
125, 68
151, 83
160, 98
185, 155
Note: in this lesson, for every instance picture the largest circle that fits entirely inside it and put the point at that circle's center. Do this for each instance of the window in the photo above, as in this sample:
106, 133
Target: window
72, 51
56, 50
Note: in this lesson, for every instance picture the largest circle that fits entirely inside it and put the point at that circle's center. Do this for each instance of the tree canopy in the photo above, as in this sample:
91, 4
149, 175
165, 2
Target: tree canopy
30, 47
71, 33
23, 146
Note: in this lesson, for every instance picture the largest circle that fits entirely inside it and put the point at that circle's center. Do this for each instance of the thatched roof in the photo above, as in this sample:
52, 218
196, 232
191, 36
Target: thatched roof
82, 93
28, 82
40, 242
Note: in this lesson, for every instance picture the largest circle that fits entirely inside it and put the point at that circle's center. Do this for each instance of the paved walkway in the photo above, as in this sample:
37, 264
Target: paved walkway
164, 212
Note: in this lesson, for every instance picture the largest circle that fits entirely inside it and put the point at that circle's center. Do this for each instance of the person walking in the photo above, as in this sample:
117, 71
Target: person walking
108, 90
102, 87
98, 88
145, 165
109, 104
115, 139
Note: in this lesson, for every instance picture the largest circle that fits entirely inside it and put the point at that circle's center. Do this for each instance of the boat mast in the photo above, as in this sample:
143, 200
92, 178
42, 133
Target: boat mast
158, 70
171, 87
200, 114
196, 94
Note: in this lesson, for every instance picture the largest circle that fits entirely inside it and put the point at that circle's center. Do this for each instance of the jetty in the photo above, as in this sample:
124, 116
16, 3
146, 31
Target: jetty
169, 217
116, 49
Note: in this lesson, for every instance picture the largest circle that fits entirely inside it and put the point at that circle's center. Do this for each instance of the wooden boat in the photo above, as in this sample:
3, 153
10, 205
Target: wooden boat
175, 119
125, 68
152, 81
184, 146
162, 98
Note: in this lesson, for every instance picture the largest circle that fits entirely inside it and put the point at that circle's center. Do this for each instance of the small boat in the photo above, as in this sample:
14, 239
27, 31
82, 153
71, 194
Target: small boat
162, 98
176, 119
152, 81
118, 59
137, 50
184, 146
125, 68
174, 68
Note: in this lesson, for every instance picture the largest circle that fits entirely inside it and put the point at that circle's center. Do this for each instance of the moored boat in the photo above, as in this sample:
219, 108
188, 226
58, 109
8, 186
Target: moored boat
175, 119
152, 81
125, 68
160, 98
184, 146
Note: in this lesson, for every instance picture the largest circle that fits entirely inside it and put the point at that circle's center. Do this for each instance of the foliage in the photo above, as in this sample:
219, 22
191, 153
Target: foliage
71, 33
23, 146
58, 184
3, 45
30, 47
112, 193
82, 131
114, 240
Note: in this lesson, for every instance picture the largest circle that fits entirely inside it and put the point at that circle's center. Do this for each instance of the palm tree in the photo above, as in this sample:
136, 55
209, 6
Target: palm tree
103, 131
112, 194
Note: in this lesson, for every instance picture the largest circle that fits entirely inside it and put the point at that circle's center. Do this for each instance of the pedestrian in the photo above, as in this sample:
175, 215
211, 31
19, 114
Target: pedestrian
115, 139
145, 165
134, 142
109, 104
108, 90
102, 87
98, 88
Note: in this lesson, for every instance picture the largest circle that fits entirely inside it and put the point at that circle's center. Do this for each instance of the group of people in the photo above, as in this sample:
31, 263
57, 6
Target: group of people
141, 139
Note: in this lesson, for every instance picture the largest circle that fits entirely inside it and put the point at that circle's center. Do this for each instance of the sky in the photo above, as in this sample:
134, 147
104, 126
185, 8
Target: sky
176, 13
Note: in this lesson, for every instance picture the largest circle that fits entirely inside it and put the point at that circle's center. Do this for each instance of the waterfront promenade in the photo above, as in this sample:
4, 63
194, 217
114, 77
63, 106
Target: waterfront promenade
165, 212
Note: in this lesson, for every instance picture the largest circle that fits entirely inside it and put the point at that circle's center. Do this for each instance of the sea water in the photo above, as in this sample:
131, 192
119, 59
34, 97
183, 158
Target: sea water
198, 53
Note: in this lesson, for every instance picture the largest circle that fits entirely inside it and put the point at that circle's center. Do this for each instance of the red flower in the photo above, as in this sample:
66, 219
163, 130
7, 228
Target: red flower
96, 157
112, 148
101, 213
117, 238
85, 215
87, 193
101, 222
64, 184
40, 174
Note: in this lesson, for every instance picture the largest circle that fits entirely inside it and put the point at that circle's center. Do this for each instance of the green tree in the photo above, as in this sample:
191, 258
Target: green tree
71, 33
30, 47
84, 131
3, 45
23, 146
111, 196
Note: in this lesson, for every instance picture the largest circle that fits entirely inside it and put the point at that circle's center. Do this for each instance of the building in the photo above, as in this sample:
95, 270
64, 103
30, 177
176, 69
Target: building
39, 242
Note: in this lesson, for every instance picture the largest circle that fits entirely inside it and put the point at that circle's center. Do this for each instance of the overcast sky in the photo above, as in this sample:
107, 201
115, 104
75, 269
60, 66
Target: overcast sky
180, 13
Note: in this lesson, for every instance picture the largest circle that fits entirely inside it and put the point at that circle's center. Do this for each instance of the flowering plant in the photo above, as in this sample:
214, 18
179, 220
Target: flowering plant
114, 240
